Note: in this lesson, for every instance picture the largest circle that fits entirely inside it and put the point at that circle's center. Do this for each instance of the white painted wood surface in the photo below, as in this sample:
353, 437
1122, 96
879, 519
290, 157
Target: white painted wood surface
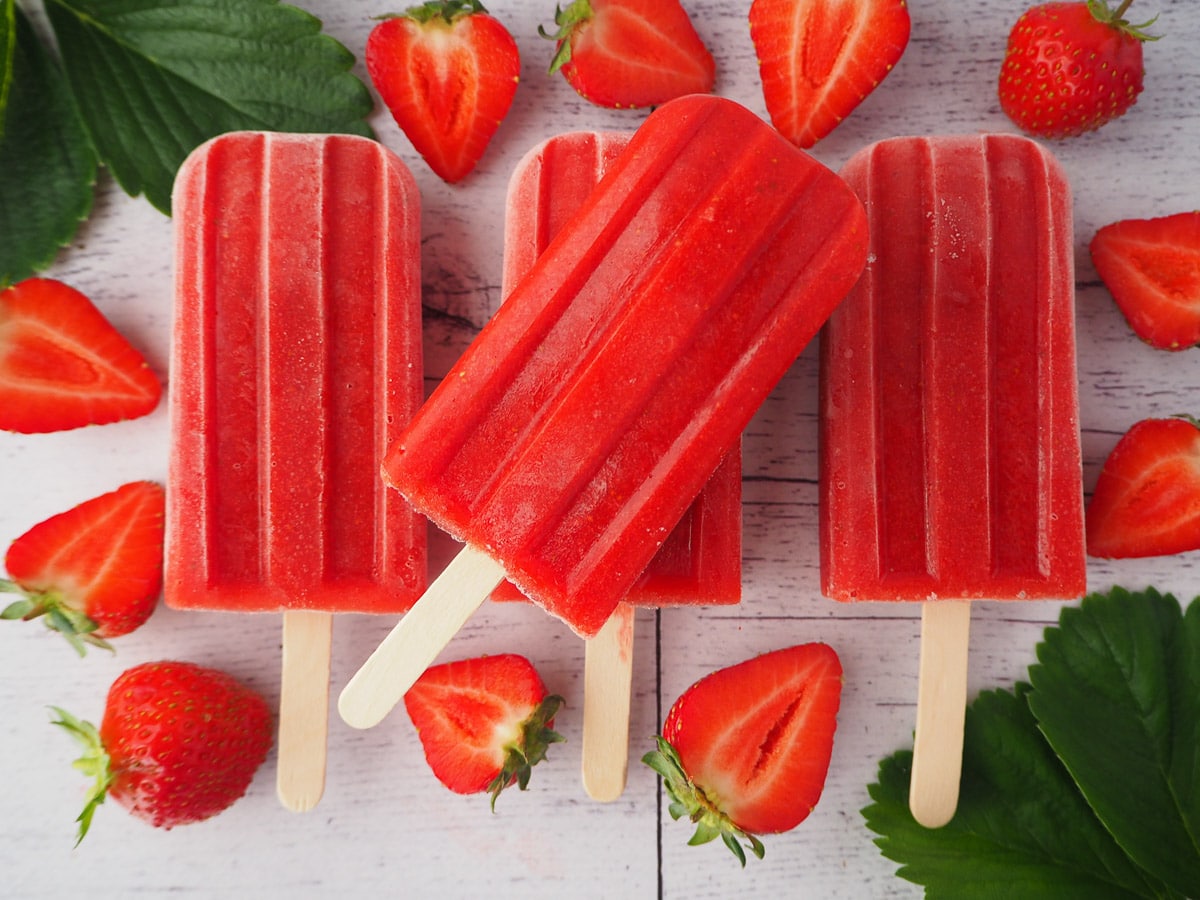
385, 827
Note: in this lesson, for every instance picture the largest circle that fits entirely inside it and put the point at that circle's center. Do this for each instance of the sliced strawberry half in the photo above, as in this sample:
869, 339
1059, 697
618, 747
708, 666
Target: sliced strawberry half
63, 365
819, 59
745, 750
1147, 497
94, 571
1152, 269
448, 72
630, 53
484, 723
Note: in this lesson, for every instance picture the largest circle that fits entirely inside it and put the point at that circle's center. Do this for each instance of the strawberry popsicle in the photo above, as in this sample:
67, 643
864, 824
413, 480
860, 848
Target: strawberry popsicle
950, 454
700, 562
573, 434
296, 360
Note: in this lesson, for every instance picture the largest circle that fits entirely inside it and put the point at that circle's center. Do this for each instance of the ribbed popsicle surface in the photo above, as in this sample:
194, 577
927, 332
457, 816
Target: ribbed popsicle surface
573, 434
700, 562
296, 361
950, 457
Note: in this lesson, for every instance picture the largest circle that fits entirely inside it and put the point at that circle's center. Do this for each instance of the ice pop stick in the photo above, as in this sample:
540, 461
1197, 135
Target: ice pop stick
941, 711
304, 708
573, 434
412, 646
607, 688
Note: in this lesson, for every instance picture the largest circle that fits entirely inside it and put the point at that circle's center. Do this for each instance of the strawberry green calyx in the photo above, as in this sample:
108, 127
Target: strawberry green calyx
95, 763
689, 799
59, 615
520, 756
446, 10
577, 12
1115, 18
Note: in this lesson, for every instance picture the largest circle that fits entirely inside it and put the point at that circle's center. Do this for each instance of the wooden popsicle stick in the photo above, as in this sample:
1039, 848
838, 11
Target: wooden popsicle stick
607, 685
941, 709
303, 708
418, 638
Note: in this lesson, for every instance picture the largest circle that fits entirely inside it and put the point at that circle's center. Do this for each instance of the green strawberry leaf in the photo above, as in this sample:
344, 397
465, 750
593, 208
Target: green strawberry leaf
156, 78
1116, 692
1021, 829
47, 164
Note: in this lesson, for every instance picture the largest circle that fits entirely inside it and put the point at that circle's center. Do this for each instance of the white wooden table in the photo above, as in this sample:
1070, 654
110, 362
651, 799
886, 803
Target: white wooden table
385, 826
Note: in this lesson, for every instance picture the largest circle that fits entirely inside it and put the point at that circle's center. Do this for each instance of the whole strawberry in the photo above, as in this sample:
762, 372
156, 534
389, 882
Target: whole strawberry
745, 750
484, 723
178, 743
1071, 67
94, 571
448, 72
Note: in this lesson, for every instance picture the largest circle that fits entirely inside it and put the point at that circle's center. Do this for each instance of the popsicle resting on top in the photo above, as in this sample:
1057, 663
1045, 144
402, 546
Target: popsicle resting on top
296, 359
950, 455
572, 435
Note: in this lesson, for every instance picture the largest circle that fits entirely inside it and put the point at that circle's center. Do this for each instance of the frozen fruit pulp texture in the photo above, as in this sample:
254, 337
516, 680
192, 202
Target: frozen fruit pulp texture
700, 562
574, 432
950, 453
296, 361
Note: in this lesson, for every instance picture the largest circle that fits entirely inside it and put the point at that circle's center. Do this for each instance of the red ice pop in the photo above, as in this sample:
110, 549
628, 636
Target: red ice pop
296, 360
571, 437
950, 455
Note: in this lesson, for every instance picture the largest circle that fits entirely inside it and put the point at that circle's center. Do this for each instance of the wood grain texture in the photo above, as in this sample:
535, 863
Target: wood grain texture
385, 826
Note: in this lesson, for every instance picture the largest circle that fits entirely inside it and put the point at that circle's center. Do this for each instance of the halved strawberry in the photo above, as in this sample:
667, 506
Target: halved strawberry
448, 72
1152, 269
94, 571
746, 749
1147, 497
62, 365
484, 723
819, 59
630, 53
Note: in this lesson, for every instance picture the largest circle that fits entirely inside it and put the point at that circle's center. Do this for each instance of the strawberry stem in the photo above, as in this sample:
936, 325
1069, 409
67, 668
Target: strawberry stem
1115, 19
